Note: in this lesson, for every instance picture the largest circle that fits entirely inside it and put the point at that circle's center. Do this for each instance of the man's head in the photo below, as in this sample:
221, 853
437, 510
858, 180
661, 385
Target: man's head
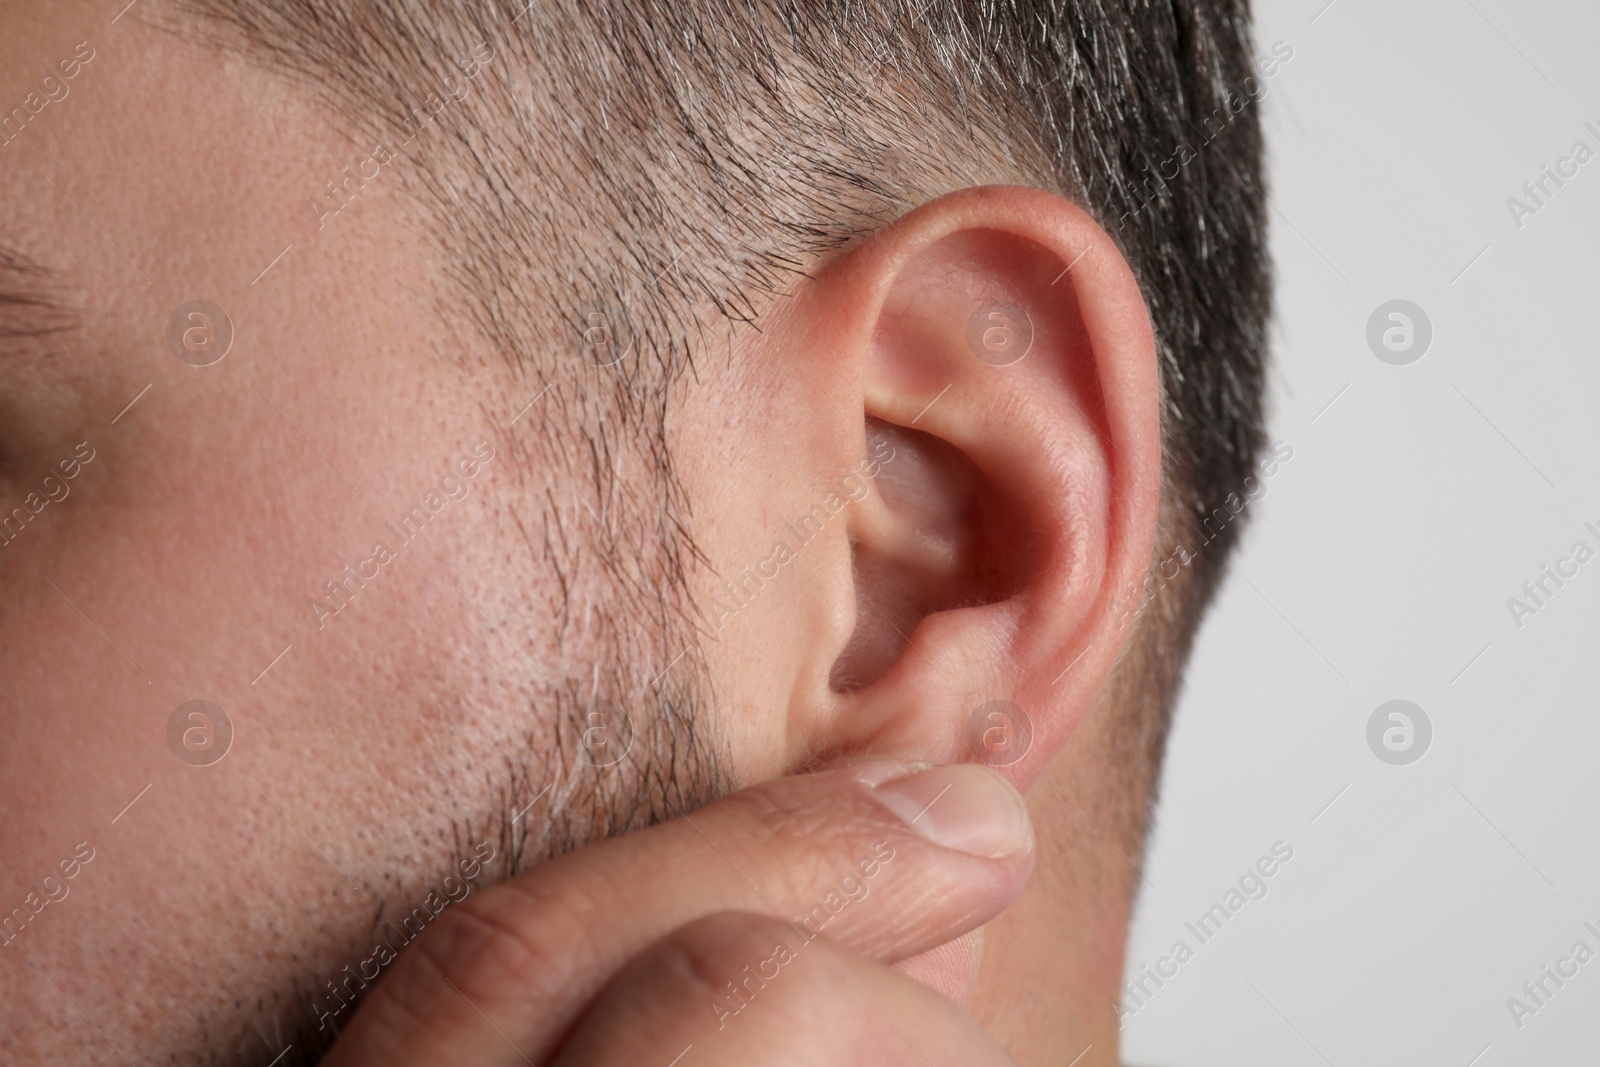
625, 403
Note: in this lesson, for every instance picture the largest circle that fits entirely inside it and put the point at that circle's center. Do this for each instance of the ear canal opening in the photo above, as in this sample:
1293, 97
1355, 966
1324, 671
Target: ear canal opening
941, 538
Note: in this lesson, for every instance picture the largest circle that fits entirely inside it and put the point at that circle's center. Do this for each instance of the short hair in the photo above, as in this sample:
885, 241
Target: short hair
662, 170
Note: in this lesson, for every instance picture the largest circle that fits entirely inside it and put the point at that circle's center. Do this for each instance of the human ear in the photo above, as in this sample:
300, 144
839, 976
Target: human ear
999, 345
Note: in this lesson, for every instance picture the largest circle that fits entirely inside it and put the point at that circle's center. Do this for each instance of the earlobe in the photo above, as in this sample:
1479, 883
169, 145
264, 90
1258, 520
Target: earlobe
1009, 366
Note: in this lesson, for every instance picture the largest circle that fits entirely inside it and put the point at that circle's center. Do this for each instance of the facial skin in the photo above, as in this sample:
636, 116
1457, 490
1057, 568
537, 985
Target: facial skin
984, 561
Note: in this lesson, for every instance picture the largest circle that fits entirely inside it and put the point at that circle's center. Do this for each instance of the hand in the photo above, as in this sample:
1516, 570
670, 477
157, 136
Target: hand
760, 929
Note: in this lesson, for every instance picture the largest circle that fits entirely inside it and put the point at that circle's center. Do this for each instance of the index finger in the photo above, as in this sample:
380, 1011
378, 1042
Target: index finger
503, 975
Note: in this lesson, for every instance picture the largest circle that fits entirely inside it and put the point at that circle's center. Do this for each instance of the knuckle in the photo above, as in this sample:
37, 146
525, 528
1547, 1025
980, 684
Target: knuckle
708, 955
732, 960
723, 937
511, 945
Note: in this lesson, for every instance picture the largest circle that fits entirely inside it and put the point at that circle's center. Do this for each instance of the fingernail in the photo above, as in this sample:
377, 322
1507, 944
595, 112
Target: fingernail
964, 806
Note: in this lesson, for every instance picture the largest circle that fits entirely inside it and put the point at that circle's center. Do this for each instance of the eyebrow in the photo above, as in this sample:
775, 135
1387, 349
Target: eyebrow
31, 300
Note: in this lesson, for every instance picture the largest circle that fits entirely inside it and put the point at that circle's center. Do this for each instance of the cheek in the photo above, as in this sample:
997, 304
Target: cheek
181, 566
183, 563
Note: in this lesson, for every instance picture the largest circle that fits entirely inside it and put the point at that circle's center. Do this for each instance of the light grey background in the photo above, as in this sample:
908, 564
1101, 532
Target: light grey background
1379, 566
